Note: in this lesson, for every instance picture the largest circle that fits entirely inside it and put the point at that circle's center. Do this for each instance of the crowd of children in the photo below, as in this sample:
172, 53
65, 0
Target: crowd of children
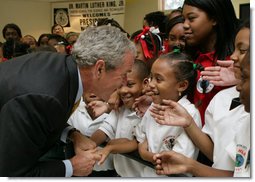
181, 97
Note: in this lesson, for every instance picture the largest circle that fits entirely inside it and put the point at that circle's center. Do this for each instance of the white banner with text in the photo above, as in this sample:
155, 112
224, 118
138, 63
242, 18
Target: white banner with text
76, 16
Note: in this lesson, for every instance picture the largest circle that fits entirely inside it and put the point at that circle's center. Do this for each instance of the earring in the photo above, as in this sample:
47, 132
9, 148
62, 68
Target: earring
180, 94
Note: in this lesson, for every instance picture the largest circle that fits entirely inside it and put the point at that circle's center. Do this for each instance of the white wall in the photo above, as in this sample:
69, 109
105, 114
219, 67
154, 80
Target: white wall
135, 12
34, 16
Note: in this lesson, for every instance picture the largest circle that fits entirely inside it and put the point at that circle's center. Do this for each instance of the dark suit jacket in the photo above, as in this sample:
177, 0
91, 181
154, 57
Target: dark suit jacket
37, 93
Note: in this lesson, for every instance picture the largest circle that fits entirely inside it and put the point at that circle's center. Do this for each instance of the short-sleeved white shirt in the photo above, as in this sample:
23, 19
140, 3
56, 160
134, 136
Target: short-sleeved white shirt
81, 120
242, 141
121, 124
221, 124
239, 148
165, 138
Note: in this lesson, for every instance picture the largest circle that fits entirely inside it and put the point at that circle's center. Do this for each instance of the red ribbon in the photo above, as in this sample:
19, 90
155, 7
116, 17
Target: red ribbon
147, 54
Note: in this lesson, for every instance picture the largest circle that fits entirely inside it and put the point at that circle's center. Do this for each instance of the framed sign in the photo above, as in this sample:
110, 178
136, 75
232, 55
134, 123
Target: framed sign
76, 16
61, 17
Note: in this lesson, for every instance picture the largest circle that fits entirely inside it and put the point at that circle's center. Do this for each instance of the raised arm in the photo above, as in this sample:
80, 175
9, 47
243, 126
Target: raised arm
222, 75
170, 162
173, 114
99, 137
119, 145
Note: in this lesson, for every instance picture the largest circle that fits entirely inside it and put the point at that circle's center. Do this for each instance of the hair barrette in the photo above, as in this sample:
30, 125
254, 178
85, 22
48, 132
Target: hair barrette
176, 50
194, 66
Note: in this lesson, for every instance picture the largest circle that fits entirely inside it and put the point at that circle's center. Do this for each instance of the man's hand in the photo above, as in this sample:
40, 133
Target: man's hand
81, 142
84, 161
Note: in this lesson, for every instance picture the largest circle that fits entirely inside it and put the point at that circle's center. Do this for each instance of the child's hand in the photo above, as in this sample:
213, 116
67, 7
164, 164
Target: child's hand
141, 105
114, 101
104, 154
171, 113
222, 75
97, 108
170, 162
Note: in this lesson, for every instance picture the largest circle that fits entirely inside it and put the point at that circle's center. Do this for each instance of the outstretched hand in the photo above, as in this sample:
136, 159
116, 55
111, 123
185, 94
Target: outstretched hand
97, 108
104, 153
84, 161
171, 113
170, 162
114, 101
222, 75
141, 105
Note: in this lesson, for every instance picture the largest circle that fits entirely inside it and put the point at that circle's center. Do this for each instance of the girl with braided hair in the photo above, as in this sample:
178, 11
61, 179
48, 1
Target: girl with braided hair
172, 77
149, 44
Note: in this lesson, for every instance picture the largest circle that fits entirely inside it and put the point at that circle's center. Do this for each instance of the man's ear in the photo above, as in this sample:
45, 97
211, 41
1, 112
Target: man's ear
99, 68
182, 85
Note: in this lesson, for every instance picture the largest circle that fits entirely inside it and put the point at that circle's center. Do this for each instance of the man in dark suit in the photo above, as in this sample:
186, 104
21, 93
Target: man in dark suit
38, 94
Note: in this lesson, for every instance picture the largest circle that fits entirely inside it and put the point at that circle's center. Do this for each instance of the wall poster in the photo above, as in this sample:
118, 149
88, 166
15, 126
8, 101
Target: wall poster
76, 16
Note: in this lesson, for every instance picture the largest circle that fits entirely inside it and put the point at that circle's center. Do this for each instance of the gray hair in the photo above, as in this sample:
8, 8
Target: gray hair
103, 42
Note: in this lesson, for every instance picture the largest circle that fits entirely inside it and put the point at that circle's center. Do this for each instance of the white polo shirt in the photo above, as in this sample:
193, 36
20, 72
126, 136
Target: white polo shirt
242, 140
221, 124
81, 120
121, 124
165, 138
239, 148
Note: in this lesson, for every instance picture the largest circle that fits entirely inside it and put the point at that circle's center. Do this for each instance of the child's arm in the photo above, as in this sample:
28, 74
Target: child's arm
98, 137
173, 114
106, 130
144, 153
170, 162
119, 145
97, 108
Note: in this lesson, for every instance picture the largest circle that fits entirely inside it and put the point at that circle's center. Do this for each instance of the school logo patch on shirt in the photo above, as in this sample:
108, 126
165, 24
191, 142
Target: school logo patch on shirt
204, 86
241, 157
169, 142
239, 160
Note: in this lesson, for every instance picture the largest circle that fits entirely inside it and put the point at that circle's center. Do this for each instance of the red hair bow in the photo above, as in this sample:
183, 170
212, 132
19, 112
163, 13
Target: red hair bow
148, 54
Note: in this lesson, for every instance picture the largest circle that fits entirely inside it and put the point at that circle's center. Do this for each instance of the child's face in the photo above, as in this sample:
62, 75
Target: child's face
163, 82
198, 27
176, 37
30, 41
11, 34
60, 48
244, 86
132, 89
242, 44
44, 41
139, 51
58, 30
